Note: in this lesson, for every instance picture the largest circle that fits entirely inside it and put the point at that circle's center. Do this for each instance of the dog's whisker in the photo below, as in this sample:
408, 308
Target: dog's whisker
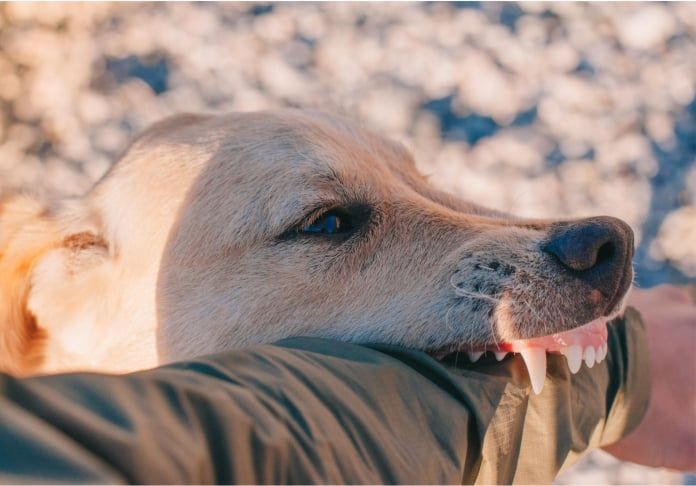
479, 296
451, 281
468, 293
475, 295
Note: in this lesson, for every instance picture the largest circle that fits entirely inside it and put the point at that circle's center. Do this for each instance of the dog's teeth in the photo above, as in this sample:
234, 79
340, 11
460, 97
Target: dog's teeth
603, 350
499, 355
573, 355
589, 356
535, 359
599, 353
474, 355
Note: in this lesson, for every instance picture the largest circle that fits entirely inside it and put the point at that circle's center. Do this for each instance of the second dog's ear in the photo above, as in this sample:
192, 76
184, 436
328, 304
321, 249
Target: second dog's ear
52, 261
26, 234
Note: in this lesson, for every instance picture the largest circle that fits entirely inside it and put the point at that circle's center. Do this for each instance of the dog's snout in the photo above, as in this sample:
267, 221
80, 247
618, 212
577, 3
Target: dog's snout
598, 250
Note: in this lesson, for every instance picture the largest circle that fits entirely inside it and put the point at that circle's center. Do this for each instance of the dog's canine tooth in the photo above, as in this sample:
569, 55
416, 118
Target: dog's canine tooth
475, 355
573, 355
499, 355
589, 356
535, 359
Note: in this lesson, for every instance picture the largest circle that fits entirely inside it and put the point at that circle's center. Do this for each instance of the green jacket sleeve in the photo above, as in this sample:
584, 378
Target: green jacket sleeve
318, 411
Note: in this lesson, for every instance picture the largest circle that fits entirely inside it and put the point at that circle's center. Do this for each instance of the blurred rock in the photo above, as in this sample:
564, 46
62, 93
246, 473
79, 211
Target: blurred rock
676, 240
648, 27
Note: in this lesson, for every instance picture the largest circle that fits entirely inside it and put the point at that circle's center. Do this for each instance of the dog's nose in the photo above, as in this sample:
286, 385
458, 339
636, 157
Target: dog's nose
597, 250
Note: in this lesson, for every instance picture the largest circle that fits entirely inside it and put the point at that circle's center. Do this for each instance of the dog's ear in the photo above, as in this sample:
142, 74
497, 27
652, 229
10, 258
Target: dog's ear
25, 235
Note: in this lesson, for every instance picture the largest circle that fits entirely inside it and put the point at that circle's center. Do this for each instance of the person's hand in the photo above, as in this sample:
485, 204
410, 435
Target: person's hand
667, 435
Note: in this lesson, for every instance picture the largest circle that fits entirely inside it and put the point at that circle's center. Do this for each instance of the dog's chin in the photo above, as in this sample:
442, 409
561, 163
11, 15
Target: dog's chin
586, 342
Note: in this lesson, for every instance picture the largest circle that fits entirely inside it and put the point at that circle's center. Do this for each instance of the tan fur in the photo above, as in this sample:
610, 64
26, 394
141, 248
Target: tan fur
25, 235
188, 246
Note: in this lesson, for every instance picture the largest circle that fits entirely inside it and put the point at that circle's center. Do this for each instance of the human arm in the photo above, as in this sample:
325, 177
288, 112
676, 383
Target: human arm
319, 411
666, 437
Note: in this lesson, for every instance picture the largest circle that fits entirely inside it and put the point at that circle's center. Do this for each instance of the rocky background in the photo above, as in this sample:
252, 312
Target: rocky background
540, 109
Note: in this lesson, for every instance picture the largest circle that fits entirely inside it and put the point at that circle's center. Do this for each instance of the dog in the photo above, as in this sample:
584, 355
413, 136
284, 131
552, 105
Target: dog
218, 232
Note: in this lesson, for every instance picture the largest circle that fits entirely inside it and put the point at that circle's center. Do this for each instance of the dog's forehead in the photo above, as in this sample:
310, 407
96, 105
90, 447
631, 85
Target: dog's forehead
318, 151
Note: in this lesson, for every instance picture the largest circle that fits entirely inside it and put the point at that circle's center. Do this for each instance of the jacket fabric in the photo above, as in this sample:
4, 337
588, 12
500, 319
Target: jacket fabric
309, 410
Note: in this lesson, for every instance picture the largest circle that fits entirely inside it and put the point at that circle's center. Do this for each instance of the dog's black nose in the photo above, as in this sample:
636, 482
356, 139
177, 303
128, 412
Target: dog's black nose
597, 250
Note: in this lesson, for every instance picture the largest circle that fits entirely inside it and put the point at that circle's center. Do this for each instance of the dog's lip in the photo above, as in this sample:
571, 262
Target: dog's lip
586, 343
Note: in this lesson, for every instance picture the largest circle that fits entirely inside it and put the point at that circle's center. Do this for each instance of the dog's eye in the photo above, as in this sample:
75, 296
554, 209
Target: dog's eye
337, 224
330, 223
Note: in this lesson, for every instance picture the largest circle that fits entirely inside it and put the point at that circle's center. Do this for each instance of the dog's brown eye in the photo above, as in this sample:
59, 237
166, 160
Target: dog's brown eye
330, 223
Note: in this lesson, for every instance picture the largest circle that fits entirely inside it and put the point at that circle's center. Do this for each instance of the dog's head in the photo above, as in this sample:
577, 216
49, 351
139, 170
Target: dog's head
261, 226
309, 225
